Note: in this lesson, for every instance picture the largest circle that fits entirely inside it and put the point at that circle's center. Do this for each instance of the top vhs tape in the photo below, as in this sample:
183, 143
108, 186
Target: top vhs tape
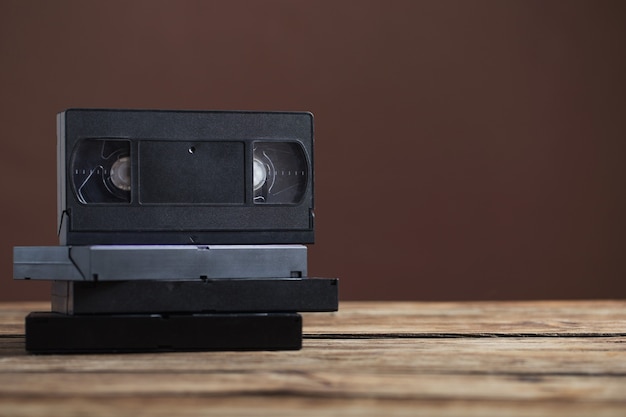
184, 177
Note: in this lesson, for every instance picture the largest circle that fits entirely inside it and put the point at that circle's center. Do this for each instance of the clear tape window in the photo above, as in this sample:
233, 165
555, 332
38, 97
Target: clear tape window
279, 172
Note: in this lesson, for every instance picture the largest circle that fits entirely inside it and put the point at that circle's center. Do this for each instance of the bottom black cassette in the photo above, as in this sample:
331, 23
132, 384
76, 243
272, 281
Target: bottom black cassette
49, 332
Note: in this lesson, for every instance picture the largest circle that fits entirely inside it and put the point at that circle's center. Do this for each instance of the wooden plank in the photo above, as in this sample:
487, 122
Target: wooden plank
286, 406
12, 315
524, 356
432, 318
472, 318
437, 359
364, 384
509, 369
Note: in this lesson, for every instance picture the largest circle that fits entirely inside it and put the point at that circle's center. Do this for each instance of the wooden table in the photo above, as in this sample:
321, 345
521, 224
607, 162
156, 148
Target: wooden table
369, 359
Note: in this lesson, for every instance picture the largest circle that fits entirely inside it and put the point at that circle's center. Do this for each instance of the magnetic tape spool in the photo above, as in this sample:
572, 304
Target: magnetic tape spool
101, 171
280, 173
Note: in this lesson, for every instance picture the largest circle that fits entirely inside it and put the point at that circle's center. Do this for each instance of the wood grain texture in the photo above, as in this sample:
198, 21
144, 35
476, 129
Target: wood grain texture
438, 359
12, 316
544, 318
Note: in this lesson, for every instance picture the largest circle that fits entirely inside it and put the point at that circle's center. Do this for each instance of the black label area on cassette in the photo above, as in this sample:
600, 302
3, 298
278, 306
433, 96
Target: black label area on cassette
185, 177
192, 172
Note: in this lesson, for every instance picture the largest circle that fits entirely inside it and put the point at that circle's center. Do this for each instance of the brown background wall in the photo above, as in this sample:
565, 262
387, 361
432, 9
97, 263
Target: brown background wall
464, 149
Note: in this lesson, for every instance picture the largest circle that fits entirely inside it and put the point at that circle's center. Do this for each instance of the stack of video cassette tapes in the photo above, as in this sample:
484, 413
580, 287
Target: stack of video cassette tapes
179, 230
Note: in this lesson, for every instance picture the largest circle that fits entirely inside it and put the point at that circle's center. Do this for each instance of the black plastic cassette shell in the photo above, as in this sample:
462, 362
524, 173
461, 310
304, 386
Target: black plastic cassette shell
155, 262
219, 296
82, 224
59, 333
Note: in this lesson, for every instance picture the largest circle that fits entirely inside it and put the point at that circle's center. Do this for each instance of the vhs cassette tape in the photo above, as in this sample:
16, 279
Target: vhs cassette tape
154, 262
48, 332
185, 177
258, 295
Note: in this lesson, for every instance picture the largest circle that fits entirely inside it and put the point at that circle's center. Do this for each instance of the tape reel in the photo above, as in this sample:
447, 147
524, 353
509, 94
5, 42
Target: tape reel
101, 171
280, 173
